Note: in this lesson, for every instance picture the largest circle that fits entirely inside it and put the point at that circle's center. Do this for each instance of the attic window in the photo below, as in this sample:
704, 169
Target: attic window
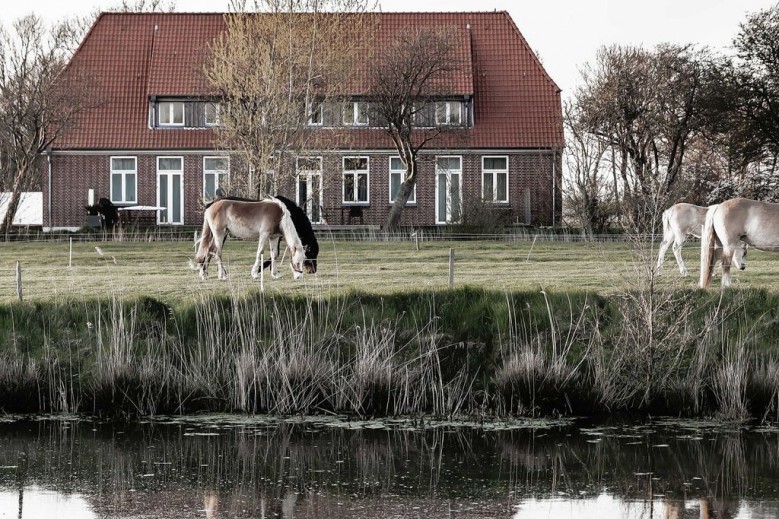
170, 113
448, 113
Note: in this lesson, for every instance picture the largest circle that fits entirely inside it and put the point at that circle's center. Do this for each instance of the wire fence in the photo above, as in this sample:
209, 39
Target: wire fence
357, 233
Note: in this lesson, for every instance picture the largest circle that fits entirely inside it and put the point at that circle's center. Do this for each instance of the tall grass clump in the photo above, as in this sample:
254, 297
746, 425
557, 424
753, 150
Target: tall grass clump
538, 371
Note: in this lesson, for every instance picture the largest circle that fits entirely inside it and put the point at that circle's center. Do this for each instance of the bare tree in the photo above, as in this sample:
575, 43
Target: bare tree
407, 78
589, 195
272, 72
649, 105
36, 105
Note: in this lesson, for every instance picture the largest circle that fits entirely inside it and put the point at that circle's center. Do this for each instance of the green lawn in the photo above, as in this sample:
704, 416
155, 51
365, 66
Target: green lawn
160, 269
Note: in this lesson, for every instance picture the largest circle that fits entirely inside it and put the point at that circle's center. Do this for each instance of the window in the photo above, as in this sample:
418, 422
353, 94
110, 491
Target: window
124, 175
216, 172
213, 111
356, 114
309, 187
314, 111
396, 173
448, 113
355, 180
171, 113
495, 179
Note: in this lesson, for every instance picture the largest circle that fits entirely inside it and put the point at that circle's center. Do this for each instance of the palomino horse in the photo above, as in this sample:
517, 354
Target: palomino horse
680, 221
261, 220
302, 226
753, 223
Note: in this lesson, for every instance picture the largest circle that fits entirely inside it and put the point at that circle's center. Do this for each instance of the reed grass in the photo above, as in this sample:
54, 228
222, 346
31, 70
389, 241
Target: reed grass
533, 353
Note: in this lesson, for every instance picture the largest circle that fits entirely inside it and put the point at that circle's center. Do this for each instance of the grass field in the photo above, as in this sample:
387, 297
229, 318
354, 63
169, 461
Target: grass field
160, 269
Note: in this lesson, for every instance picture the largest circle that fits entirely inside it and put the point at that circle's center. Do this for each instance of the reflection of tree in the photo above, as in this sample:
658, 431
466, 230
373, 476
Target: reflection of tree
227, 469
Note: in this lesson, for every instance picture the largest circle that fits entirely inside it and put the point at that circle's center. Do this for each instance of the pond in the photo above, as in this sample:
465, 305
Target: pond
240, 467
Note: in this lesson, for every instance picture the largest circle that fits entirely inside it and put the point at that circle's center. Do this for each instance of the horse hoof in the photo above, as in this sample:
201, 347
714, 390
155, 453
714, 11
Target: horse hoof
275, 276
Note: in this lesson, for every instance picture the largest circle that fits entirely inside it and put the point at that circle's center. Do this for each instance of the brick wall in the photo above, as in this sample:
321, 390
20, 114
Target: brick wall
530, 182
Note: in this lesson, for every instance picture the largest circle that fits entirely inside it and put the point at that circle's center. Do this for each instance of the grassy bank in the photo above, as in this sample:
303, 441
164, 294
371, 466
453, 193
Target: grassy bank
468, 351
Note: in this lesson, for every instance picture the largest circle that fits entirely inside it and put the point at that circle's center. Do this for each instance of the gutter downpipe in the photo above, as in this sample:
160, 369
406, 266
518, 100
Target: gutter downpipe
48, 160
554, 185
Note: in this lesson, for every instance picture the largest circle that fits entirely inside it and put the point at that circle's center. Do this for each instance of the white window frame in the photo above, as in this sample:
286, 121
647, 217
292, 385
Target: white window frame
123, 173
355, 183
218, 175
315, 107
217, 111
359, 109
311, 175
447, 107
181, 189
169, 107
412, 199
494, 173
459, 173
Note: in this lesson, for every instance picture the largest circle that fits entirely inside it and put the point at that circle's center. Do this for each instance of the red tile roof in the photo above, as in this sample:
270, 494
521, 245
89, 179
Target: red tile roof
132, 56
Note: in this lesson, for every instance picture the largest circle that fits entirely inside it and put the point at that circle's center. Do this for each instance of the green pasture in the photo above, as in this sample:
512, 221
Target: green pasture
51, 271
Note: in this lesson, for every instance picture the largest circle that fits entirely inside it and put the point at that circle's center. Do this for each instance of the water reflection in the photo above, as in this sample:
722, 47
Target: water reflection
235, 467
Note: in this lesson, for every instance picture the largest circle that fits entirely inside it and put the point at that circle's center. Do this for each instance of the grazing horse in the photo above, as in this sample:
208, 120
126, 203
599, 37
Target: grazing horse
735, 224
262, 220
302, 226
680, 221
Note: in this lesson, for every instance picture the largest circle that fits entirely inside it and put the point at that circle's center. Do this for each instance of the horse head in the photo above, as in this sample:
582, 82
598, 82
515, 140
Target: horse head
312, 251
739, 256
297, 261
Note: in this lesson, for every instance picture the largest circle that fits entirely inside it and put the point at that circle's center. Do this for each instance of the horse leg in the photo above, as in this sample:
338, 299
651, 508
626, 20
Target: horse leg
661, 255
218, 242
257, 264
727, 255
274, 256
677, 248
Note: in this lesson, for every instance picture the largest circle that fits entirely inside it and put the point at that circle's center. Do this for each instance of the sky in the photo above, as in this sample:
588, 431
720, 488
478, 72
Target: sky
565, 34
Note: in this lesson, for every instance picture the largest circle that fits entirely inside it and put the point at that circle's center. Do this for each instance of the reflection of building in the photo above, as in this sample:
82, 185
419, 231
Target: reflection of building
150, 141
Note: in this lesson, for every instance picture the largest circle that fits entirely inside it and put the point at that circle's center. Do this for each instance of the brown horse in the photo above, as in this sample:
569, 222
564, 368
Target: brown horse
735, 224
263, 220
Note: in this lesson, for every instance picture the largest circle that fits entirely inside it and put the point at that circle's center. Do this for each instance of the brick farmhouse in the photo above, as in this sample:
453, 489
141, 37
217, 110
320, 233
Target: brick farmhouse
150, 141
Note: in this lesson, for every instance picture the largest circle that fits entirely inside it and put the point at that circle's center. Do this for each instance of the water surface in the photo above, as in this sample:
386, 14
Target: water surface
241, 467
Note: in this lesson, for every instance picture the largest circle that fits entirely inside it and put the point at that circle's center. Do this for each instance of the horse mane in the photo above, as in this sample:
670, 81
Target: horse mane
287, 225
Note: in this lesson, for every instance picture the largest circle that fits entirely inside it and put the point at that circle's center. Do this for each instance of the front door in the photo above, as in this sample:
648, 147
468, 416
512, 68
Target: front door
448, 187
309, 187
170, 190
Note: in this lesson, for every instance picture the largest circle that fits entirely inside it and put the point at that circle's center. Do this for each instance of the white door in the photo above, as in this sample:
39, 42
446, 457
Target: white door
170, 190
309, 187
448, 190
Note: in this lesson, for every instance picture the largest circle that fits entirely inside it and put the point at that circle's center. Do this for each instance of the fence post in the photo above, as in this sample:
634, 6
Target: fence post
70, 254
19, 280
451, 268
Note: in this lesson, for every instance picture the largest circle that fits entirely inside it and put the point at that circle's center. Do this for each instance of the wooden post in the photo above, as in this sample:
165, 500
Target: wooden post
416, 239
451, 268
262, 273
70, 253
19, 280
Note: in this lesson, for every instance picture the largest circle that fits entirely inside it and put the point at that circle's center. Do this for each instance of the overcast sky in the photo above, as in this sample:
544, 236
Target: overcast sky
564, 33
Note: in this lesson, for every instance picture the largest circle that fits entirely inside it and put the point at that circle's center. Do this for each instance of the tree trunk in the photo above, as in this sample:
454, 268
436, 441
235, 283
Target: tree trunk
12, 206
393, 218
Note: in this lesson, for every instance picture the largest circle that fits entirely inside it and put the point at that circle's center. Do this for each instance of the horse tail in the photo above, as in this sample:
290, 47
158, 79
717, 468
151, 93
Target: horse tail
708, 244
204, 243
667, 231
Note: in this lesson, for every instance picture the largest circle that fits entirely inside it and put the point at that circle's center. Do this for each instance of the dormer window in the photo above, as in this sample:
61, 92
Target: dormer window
356, 114
448, 113
170, 113
212, 114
